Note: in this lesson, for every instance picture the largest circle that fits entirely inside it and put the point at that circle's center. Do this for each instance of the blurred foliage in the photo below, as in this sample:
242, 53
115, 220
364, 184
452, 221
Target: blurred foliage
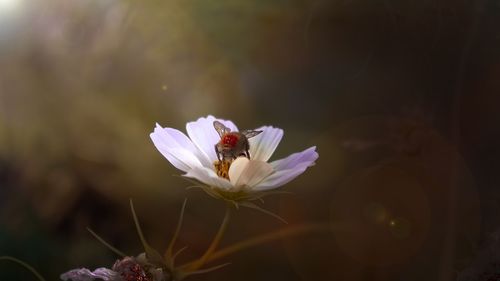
399, 96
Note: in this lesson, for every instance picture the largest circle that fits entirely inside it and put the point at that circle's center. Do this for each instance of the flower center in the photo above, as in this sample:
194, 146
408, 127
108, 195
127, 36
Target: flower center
222, 168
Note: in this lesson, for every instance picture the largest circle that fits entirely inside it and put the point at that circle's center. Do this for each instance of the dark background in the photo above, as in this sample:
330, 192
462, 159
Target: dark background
400, 97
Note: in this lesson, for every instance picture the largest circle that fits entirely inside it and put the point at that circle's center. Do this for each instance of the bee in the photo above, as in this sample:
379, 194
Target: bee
232, 144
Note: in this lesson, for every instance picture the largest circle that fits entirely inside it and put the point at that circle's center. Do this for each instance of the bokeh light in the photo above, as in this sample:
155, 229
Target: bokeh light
9, 6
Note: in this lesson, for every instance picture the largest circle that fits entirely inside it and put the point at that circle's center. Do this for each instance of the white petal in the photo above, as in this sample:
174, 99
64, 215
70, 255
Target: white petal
84, 274
177, 148
208, 177
204, 135
237, 167
289, 168
306, 157
263, 145
280, 178
244, 172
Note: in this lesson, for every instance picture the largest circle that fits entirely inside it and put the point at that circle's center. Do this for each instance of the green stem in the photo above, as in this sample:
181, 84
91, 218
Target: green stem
290, 231
206, 257
113, 249
25, 265
169, 256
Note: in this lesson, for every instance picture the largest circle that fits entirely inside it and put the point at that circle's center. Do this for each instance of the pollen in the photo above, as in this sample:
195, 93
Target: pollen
222, 168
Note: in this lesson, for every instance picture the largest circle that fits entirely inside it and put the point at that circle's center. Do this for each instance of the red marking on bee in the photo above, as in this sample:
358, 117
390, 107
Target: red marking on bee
230, 140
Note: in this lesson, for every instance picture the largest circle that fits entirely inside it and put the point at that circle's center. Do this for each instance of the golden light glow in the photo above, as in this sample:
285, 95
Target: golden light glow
7, 6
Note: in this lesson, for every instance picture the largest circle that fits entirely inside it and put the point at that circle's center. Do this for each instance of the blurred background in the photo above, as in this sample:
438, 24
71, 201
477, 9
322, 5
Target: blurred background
400, 97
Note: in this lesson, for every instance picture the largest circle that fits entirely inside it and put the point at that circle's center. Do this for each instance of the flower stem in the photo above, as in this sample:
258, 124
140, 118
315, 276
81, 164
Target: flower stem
169, 256
290, 231
206, 256
25, 265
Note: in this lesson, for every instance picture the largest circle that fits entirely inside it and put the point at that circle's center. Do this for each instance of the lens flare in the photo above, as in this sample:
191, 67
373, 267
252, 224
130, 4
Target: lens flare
7, 6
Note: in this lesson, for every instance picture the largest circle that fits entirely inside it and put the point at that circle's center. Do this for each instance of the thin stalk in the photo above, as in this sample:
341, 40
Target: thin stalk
268, 237
206, 256
168, 253
151, 253
113, 249
25, 265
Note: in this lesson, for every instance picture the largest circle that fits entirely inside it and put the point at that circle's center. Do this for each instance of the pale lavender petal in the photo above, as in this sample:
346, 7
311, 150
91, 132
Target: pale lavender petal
306, 157
204, 135
208, 177
263, 145
84, 274
248, 173
280, 178
177, 148
289, 168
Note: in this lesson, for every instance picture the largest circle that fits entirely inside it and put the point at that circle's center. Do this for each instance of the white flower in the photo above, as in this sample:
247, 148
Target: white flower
196, 156
128, 268
83, 274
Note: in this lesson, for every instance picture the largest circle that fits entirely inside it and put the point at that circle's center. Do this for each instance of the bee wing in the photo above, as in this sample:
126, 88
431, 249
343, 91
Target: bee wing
250, 133
220, 128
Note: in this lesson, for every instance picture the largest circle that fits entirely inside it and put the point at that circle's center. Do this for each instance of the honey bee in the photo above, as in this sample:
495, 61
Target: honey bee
232, 144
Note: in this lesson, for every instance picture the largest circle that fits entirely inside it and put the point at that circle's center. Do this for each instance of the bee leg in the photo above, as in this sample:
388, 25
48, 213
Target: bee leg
217, 152
247, 147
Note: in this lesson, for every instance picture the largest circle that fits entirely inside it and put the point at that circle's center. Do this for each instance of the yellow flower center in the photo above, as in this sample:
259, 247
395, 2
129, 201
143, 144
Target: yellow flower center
222, 168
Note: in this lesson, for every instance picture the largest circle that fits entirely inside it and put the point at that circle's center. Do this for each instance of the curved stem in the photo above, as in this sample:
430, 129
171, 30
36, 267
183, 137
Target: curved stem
290, 231
169, 256
113, 249
206, 256
25, 265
